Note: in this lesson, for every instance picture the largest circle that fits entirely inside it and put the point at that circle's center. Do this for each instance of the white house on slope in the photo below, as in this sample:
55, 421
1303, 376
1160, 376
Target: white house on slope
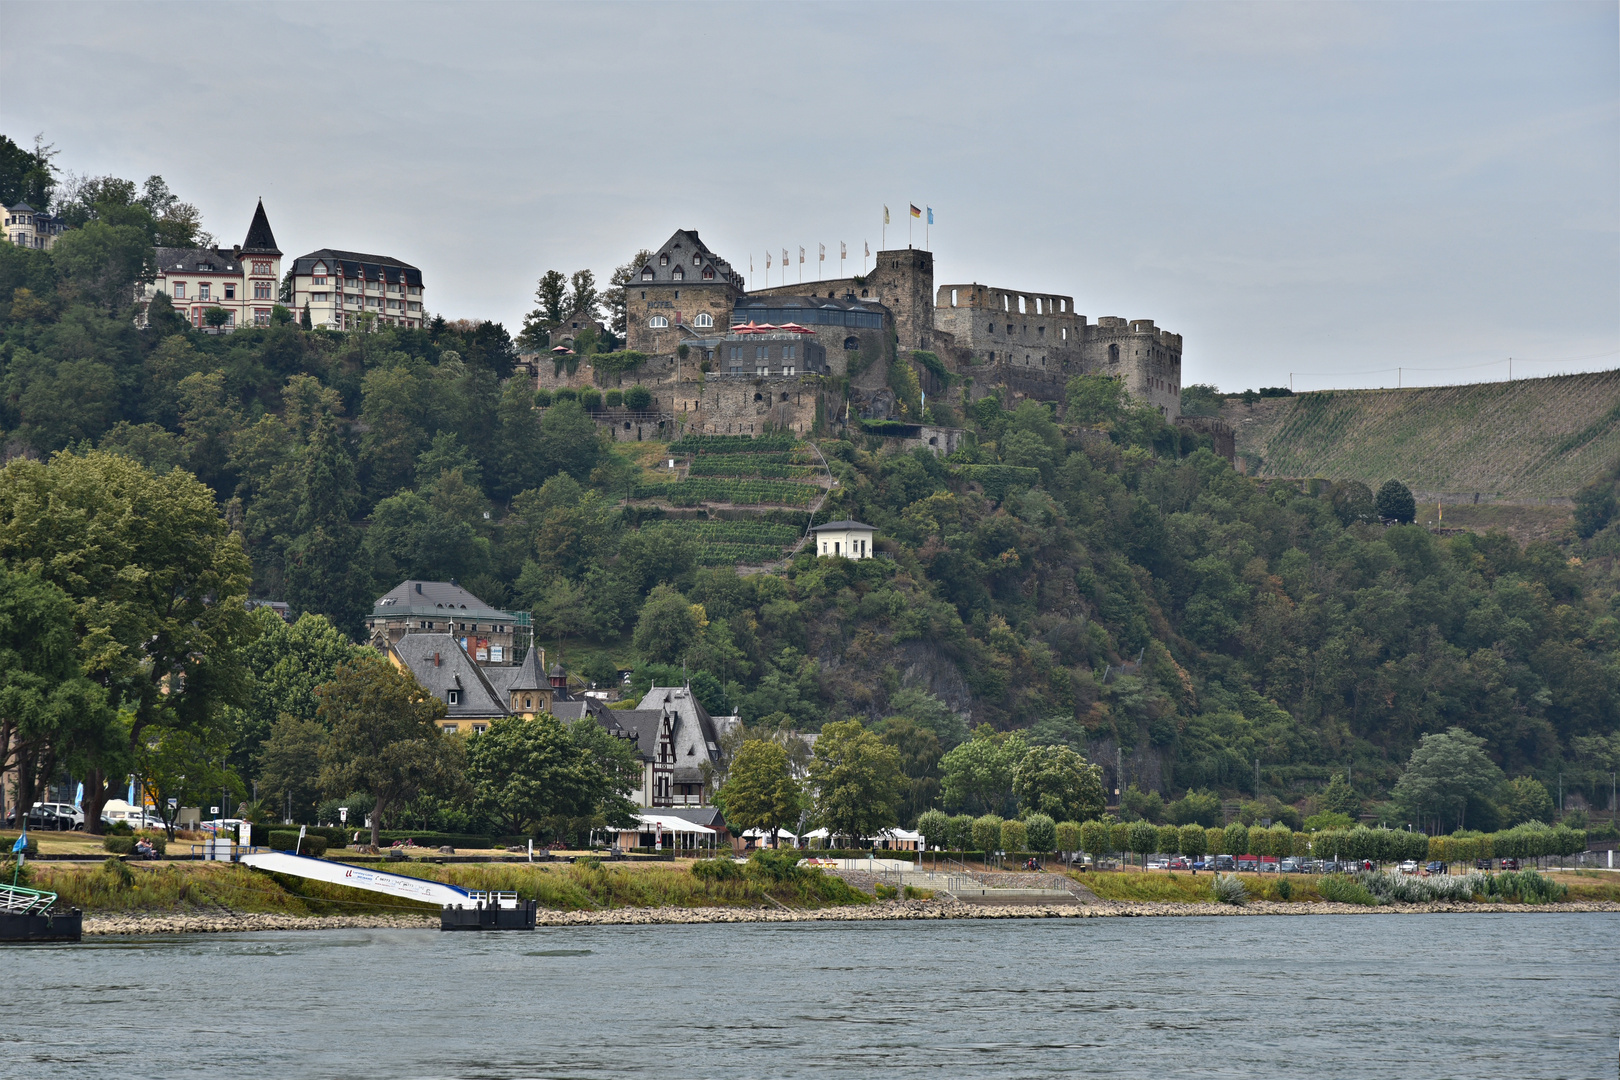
849, 539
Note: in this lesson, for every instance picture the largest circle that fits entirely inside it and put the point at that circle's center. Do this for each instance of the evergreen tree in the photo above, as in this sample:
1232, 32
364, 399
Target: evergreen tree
517, 453
1395, 503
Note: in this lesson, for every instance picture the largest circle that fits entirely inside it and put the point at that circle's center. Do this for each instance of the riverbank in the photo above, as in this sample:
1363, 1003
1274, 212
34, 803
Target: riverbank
126, 923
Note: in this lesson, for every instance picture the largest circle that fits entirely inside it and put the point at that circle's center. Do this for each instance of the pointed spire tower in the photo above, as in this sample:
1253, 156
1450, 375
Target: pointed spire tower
260, 240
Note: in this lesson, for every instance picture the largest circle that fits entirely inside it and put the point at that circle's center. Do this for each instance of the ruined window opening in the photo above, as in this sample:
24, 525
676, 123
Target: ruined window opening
953, 298
784, 393
863, 292
1040, 331
1113, 354
1037, 305
992, 328
1022, 302
851, 344
1006, 303
1065, 334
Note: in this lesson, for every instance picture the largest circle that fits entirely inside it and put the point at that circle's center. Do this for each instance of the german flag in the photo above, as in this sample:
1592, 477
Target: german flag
916, 213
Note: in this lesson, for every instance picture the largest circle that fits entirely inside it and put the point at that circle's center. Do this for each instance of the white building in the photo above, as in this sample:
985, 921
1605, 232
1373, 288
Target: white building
240, 282
339, 287
30, 228
849, 539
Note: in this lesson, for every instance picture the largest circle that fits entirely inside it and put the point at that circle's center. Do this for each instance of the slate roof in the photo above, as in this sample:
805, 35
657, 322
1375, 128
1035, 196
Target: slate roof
680, 248
196, 261
435, 598
260, 240
440, 665
699, 815
355, 264
844, 525
525, 676
641, 724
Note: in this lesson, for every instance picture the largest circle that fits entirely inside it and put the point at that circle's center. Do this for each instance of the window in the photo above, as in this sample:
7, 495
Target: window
351, 283
658, 322
261, 290
705, 320
696, 259
415, 306
1009, 328
1113, 354
453, 697
317, 297
992, 328
646, 275
318, 280
708, 273
230, 292
319, 269
678, 274
392, 287
787, 351
663, 260
261, 266
179, 290
202, 291
261, 316
762, 352
851, 344
415, 290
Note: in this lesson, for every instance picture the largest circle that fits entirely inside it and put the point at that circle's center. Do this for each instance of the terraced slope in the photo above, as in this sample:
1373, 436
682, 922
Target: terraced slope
1533, 438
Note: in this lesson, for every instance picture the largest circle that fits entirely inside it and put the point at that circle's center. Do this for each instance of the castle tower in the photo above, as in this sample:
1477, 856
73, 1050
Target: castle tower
903, 281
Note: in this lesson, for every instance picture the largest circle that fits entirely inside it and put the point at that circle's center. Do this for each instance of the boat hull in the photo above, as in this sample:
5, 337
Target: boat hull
489, 918
55, 926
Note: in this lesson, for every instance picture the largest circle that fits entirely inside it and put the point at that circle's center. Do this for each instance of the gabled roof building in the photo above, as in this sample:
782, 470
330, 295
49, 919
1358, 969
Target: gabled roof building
344, 290
242, 282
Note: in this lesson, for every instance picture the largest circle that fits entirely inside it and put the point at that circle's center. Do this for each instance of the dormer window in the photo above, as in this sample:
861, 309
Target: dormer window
679, 274
708, 273
697, 259
646, 273
663, 260
453, 697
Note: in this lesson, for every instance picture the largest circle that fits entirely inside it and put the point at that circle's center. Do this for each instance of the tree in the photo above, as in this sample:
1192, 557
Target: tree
760, 792
986, 833
1339, 797
569, 442
935, 827
1095, 400
1395, 503
1058, 781
385, 739
583, 299
1067, 836
324, 571
669, 625
517, 460
614, 297
289, 764
157, 580
524, 772
638, 397
1042, 832
919, 761
1014, 835
1352, 502
1169, 841
1144, 839
50, 714
26, 176
285, 662
1192, 841
978, 775
1524, 799
104, 262
1094, 838
550, 295
187, 766
1444, 773
856, 780
1235, 839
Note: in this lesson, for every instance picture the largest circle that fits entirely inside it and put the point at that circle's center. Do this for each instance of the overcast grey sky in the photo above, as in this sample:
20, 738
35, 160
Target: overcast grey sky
1321, 189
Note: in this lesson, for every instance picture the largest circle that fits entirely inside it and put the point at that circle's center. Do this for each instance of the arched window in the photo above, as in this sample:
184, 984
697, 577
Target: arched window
659, 322
703, 319
759, 397
851, 343
784, 395
1113, 354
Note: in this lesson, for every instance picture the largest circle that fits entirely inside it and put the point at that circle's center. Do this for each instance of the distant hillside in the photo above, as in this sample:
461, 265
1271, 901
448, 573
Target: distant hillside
1534, 438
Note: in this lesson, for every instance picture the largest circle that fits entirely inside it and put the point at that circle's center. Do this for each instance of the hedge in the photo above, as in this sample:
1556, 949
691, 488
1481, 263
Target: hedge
434, 839
287, 840
125, 845
334, 836
31, 849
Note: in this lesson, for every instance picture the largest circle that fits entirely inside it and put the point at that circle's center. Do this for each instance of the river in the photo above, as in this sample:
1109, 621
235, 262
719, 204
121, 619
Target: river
1472, 995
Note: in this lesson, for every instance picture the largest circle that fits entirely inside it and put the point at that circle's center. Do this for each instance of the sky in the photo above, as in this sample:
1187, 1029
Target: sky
1328, 195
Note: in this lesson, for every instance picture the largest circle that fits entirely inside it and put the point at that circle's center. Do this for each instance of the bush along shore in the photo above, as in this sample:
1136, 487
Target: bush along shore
121, 898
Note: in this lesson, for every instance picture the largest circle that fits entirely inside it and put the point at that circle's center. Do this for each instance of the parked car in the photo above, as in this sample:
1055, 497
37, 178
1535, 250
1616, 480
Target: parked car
1288, 866
1179, 863
1226, 863
1435, 867
1510, 864
1408, 867
66, 810
1160, 864
1200, 864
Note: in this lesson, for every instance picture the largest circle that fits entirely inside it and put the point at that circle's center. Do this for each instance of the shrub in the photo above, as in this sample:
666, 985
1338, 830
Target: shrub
590, 398
1343, 889
1068, 836
118, 845
887, 892
638, 397
1228, 889
31, 849
1042, 832
722, 869
566, 393
1525, 887
1285, 889
613, 398
542, 398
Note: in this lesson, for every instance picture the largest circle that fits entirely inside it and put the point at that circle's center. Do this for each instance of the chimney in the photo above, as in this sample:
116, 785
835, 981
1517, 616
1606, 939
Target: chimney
436, 661
418, 586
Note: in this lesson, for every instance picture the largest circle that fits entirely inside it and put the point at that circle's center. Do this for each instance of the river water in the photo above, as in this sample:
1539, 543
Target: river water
1472, 995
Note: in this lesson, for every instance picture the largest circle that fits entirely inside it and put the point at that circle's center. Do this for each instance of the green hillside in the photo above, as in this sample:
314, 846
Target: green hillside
1533, 438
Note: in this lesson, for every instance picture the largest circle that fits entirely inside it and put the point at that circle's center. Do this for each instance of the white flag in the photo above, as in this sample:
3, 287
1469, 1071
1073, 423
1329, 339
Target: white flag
885, 215
843, 251
868, 244
823, 256
767, 260
801, 253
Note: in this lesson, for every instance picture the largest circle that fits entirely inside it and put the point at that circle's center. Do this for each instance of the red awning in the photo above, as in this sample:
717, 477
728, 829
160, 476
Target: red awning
562, 348
795, 328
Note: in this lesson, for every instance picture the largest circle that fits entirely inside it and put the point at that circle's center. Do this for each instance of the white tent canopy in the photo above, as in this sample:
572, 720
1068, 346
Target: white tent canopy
670, 823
